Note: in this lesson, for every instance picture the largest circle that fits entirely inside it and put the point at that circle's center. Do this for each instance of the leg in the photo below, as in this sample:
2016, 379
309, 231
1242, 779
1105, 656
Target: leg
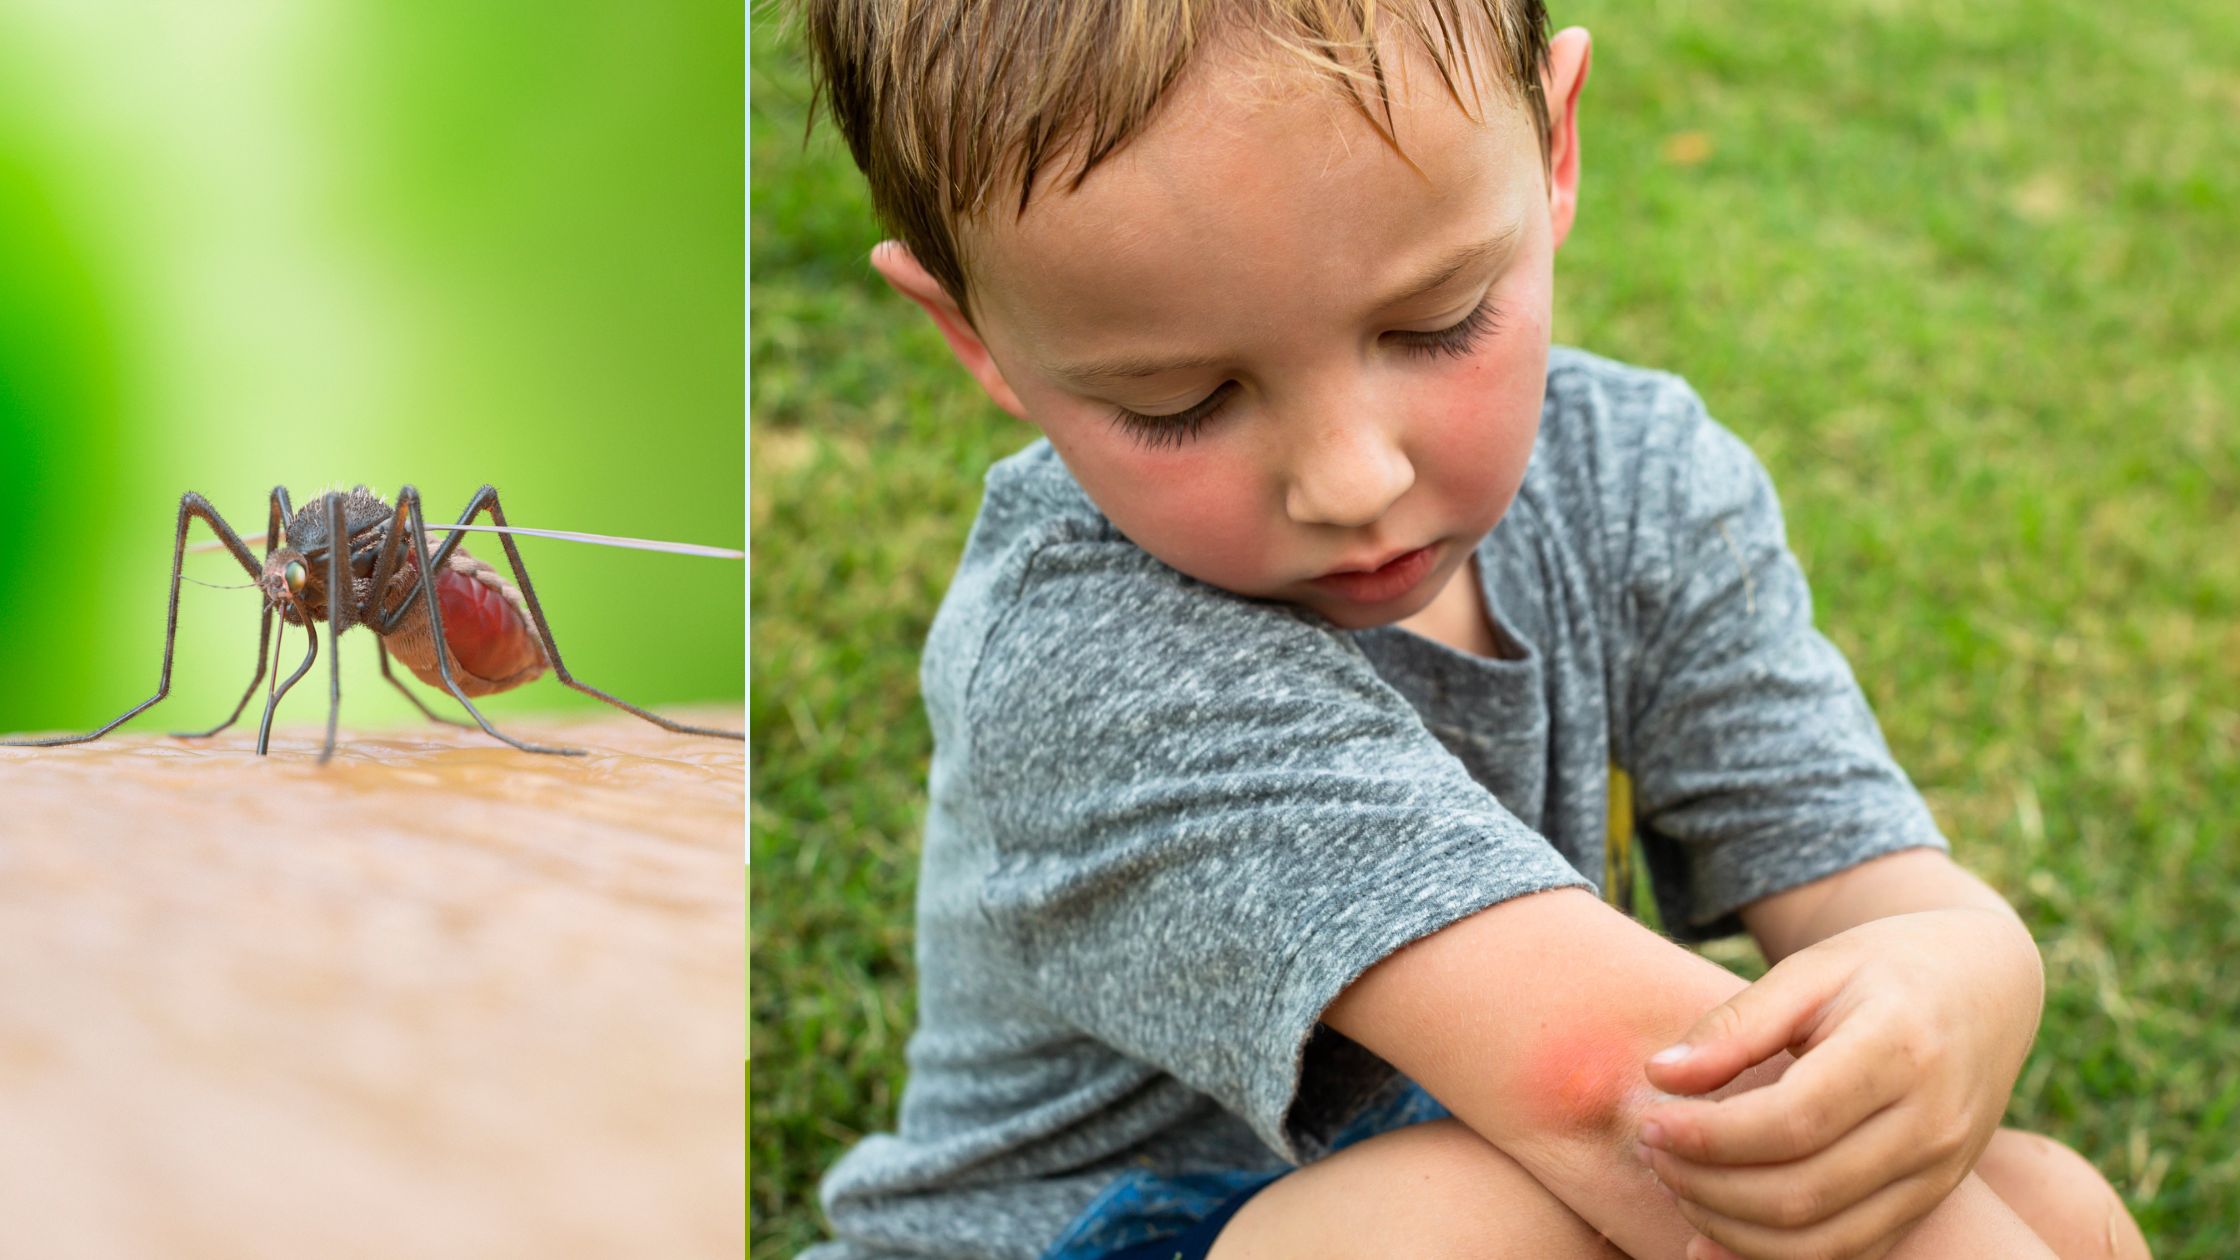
272, 702
191, 505
487, 499
274, 515
338, 614
1433, 1190
413, 523
2061, 1197
398, 683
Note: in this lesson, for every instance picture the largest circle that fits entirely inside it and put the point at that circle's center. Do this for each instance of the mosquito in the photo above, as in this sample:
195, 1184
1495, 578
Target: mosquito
350, 558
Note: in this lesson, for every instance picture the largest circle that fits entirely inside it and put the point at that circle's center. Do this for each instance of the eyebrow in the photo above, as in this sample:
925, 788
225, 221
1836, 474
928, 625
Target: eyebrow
1128, 367
1454, 264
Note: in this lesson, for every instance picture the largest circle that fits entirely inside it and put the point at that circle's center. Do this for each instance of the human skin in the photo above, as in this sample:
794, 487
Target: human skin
1602, 991
1260, 236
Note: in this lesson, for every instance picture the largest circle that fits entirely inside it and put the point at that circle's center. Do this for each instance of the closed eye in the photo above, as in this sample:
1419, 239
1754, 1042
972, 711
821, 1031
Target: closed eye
1455, 341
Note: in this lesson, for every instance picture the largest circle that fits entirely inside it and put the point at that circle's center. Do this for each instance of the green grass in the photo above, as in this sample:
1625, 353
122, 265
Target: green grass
1961, 274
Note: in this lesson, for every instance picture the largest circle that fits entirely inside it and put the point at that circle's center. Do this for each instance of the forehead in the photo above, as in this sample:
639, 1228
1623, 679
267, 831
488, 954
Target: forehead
1258, 180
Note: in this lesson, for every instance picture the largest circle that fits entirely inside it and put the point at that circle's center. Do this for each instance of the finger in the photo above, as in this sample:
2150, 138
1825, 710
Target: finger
1701, 1248
1807, 1191
1822, 1096
1868, 1230
1782, 1009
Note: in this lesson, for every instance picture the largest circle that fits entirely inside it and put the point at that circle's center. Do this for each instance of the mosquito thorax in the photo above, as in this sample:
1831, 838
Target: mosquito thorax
362, 510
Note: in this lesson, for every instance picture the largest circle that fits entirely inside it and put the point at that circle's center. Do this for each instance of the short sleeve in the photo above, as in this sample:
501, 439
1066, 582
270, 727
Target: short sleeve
1758, 766
1210, 815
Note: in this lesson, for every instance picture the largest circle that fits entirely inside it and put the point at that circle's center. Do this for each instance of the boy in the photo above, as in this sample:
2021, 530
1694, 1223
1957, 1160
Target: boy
1282, 694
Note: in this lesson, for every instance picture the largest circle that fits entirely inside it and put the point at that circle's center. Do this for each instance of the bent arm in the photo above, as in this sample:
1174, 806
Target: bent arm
1531, 1021
1894, 883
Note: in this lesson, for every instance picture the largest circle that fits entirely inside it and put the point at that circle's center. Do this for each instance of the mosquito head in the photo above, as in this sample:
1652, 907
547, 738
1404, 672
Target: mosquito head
293, 583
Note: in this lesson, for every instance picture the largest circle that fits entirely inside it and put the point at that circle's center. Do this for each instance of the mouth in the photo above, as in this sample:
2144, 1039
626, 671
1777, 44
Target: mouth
1389, 579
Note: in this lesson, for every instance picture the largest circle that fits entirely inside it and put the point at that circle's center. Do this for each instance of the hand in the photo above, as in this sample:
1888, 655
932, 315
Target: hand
1908, 1031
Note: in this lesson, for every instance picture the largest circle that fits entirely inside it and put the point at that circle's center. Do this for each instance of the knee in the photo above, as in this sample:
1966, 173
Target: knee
1433, 1190
2061, 1196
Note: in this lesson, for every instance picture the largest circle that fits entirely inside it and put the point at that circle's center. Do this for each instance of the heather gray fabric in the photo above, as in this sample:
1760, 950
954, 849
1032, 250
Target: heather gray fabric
1167, 825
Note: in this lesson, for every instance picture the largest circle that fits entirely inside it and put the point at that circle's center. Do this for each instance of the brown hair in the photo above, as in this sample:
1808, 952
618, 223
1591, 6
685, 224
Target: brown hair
944, 101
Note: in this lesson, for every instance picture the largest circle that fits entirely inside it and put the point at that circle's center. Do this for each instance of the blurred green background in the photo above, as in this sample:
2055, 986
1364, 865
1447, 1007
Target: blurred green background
1961, 274
246, 243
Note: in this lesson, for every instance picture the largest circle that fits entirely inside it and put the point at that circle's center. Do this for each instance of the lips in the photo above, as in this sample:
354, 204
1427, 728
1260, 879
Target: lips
1371, 568
1395, 577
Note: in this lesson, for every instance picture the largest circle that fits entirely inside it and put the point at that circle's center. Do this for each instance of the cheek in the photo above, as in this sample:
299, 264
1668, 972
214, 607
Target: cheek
1480, 427
1198, 509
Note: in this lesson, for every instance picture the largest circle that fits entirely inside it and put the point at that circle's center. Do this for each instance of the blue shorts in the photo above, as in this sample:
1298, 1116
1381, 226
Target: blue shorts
1150, 1216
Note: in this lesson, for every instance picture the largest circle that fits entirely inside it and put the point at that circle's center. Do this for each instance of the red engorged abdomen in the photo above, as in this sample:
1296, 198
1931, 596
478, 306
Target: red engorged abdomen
484, 631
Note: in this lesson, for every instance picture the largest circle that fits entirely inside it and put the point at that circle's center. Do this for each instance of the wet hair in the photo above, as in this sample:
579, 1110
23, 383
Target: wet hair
954, 107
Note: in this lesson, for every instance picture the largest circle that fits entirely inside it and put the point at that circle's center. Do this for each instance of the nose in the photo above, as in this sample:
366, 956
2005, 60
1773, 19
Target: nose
1348, 472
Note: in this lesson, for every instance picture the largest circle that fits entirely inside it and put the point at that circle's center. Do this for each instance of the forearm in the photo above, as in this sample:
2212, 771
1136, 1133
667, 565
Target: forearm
1905, 882
1532, 1022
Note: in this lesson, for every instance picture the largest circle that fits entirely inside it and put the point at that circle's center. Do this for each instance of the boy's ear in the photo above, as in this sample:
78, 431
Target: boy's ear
1568, 55
913, 281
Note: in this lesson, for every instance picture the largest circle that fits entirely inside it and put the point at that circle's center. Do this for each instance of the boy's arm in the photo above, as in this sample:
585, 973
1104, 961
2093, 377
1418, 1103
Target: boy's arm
1894, 883
1531, 1021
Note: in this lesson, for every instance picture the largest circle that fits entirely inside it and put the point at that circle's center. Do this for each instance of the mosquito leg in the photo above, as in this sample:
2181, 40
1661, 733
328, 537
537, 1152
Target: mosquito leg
274, 515
191, 506
381, 622
487, 499
272, 702
408, 499
338, 614
264, 644
398, 683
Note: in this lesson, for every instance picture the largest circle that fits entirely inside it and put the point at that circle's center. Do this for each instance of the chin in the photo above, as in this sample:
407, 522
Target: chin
1356, 617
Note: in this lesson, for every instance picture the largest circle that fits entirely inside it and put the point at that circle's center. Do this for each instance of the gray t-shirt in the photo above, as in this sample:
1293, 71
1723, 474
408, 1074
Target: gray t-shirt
1167, 825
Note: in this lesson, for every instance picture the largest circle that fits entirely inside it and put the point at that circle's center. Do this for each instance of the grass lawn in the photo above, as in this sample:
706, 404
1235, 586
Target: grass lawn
1963, 275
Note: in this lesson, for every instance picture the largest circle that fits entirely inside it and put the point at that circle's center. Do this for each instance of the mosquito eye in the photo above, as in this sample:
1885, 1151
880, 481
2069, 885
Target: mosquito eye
294, 573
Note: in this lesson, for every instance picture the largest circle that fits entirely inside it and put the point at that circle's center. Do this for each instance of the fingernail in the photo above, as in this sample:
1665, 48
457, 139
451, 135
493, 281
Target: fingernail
1670, 1054
1641, 1152
1653, 1133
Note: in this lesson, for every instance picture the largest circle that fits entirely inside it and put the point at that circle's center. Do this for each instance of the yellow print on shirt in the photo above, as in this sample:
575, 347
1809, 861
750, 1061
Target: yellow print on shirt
1617, 843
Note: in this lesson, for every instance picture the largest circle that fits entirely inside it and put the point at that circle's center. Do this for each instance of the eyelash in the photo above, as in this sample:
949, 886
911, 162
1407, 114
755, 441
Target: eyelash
1453, 341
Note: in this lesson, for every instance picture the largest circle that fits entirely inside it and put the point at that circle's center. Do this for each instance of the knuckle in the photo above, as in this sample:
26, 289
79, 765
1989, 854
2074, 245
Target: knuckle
1724, 1021
1920, 1046
1951, 1138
